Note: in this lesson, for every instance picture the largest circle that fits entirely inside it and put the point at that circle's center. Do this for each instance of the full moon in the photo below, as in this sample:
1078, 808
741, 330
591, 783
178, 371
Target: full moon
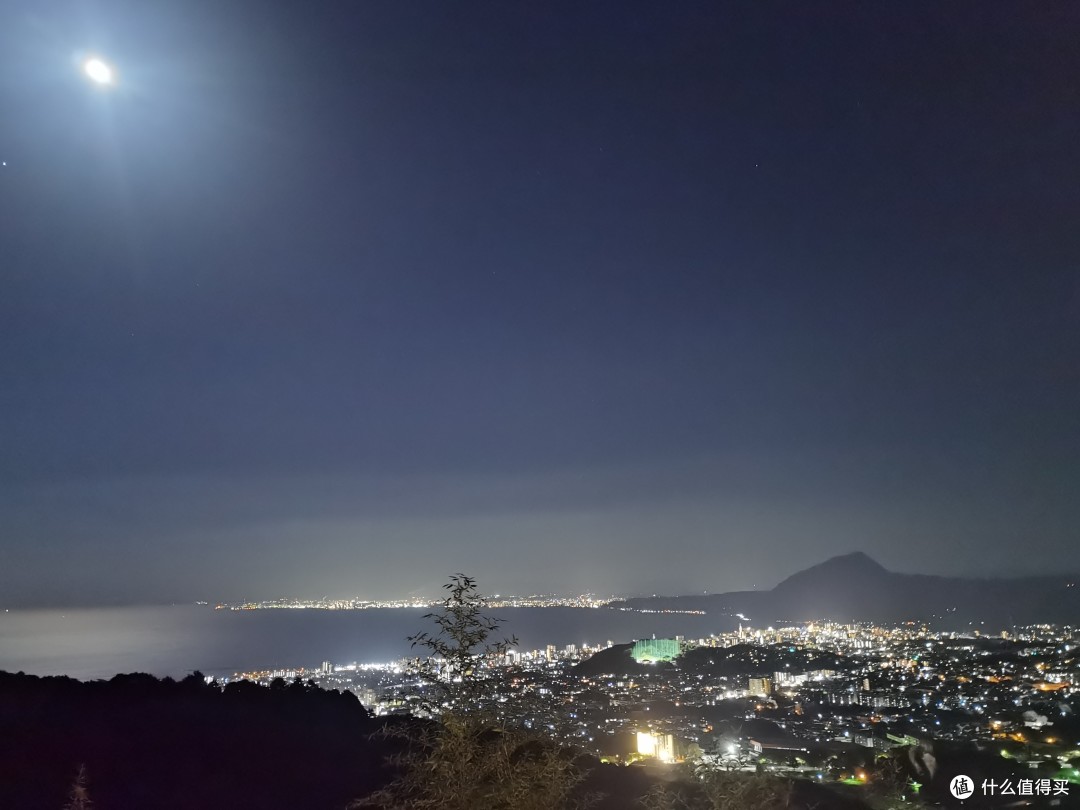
98, 71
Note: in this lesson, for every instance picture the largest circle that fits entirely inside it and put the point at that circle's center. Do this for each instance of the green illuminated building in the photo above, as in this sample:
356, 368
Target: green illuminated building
648, 650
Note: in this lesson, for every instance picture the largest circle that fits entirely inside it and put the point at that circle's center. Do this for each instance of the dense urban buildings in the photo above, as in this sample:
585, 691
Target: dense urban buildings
818, 700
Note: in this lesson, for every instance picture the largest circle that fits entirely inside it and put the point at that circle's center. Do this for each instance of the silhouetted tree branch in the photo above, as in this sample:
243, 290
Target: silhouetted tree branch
79, 798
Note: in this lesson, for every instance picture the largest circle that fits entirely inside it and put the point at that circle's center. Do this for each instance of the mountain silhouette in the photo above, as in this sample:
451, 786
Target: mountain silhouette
845, 567
855, 587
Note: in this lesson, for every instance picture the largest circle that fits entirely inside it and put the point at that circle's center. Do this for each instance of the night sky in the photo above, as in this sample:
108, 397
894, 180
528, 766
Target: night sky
341, 297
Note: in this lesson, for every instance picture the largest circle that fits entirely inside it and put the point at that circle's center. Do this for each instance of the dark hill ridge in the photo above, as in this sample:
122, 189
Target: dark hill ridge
183, 745
616, 660
854, 587
740, 659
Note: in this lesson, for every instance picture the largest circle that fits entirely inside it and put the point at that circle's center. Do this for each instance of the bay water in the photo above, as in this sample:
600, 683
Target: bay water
175, 640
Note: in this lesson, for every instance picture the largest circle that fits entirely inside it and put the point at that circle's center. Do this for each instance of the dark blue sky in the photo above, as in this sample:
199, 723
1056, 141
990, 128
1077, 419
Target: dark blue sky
340, 297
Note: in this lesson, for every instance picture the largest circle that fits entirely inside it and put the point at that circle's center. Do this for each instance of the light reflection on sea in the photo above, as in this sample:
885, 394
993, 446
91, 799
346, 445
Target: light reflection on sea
176, 640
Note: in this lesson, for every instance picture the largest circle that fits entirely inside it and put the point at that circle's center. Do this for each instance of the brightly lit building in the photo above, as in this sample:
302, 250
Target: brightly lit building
762, 687
661, 746
649, 650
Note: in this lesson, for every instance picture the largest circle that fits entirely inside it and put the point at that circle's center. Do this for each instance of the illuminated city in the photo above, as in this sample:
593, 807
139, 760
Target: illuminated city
808, 700
535, 601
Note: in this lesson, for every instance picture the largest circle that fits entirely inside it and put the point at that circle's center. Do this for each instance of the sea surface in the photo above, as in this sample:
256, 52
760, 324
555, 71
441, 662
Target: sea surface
179, 639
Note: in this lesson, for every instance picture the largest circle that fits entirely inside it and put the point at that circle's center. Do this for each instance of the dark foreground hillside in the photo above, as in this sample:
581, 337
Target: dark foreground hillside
157, 744
149, 743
